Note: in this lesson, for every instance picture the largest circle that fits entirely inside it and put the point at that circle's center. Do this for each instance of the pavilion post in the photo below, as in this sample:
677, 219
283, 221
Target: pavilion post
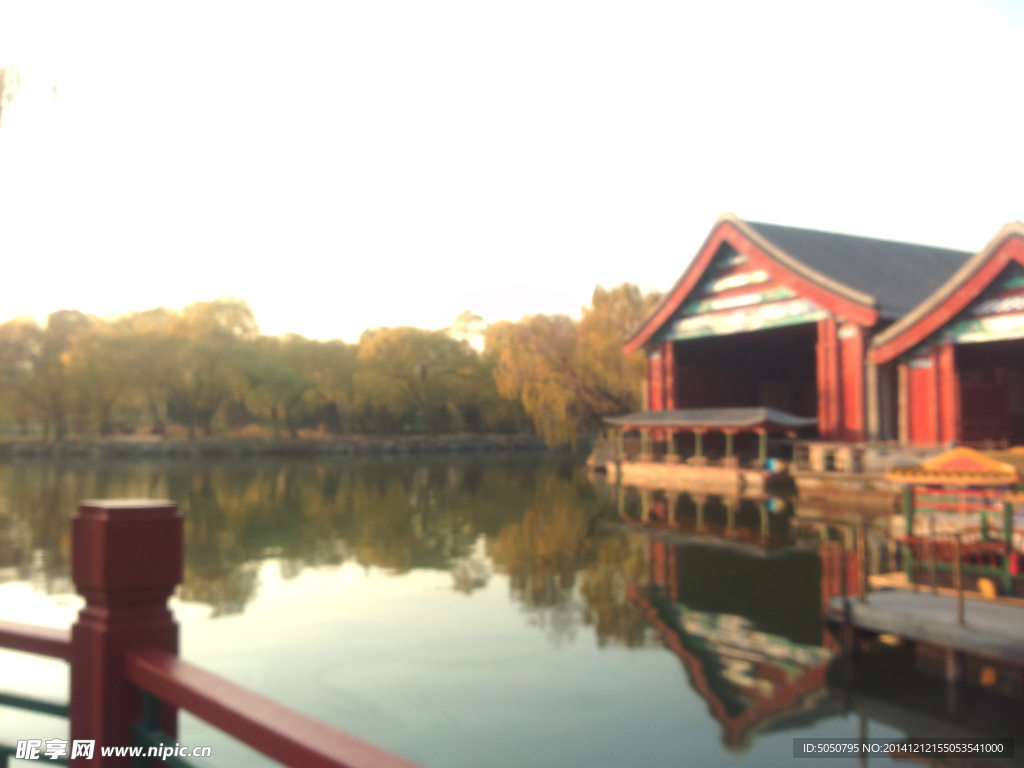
646, 454
1008, 544
671, 502
621, 443
730, 460
671, 455
645, 506
958, 580
762, 446
908, 518
698, 502
764, 521
932, 578
862, 557
984, 526
126, 560
698, 446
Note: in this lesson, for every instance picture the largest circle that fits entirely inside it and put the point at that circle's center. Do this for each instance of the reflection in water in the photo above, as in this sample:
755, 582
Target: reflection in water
732, 588
474, 570
751, 680
556, 557
533, 521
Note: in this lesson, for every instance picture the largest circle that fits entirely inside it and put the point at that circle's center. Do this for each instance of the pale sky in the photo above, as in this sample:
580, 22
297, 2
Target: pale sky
351, 165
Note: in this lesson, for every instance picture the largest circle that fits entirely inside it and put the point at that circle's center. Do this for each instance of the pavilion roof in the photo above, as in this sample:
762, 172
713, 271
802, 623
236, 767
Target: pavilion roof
962, 466
948, 298
713, 418
860, 278
897, 275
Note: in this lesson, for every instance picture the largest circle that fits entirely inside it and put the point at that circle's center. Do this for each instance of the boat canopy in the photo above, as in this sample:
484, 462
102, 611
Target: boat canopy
964, 466
713, 418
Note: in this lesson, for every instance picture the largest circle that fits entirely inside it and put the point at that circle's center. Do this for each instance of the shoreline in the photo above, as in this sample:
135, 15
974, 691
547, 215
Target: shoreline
230, 447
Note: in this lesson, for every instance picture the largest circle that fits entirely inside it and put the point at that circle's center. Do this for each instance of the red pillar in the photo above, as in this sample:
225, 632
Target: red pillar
126, 561
668, 359
655, 381
851, 355
658, 557
923, 399
671, 574
829, 384
903, 402
932, 378
949, 395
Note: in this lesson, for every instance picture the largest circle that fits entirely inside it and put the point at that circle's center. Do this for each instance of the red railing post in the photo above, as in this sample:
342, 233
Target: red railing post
126, 561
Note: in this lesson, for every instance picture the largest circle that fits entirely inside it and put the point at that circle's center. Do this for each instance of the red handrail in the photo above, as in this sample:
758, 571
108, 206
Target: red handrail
45, 641
275, 730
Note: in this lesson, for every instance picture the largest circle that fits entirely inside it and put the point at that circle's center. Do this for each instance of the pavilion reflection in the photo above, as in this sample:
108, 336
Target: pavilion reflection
752, 681
749, 523
734, 590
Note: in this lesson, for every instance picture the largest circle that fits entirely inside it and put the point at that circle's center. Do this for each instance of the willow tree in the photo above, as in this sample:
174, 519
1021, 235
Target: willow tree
569, 374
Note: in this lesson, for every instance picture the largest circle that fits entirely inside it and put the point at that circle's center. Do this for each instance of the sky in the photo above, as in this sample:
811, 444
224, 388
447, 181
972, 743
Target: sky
344, 166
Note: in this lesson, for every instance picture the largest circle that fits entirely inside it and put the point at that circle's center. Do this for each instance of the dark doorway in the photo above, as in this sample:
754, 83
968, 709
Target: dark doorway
991, 392
775, 368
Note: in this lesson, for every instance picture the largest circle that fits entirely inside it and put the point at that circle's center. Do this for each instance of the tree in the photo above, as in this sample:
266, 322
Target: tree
208, 337
273, 382
20, 344
151, 360
424, 379
567, 374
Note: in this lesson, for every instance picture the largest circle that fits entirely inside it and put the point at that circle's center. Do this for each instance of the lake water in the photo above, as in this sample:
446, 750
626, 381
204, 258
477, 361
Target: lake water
492, 613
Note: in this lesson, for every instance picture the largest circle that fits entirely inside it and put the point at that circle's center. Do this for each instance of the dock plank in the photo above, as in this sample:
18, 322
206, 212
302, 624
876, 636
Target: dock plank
991, 630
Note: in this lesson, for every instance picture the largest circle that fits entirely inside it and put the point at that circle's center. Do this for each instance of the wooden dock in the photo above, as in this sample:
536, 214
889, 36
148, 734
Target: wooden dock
991, 630
731, 481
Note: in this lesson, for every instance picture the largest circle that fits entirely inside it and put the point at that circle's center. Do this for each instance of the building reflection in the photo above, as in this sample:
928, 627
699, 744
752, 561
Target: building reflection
752, 681
734, 589
731, 586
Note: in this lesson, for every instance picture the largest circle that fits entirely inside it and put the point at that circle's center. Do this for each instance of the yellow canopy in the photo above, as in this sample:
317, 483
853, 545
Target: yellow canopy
963, 466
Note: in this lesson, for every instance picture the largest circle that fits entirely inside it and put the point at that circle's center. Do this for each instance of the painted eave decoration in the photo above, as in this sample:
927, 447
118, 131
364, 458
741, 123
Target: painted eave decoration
982, 301
960, 466
739, 281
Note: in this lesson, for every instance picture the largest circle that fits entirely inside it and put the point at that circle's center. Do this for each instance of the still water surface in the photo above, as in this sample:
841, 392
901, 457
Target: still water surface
494, 613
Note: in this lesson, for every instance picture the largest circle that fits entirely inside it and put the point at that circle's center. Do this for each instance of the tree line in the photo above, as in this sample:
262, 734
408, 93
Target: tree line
208, 369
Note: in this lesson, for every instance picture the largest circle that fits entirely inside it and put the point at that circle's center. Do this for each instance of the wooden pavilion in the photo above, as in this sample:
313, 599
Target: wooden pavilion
957, 360
726, 471
779, 317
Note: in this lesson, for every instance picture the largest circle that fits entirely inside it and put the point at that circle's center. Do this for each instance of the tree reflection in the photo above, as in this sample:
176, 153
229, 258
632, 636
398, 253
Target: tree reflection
536, 521
566, 571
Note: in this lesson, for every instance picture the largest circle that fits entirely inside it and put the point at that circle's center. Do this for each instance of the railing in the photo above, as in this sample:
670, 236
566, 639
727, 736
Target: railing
952, 558
281, 733
43, 641
127, 681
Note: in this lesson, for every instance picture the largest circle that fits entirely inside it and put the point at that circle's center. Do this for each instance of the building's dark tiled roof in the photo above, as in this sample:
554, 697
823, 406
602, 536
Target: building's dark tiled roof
713, 418
898, 275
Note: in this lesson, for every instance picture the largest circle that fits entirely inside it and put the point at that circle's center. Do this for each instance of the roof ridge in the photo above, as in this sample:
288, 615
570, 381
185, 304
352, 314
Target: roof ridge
952, 283
858, 237
800, 267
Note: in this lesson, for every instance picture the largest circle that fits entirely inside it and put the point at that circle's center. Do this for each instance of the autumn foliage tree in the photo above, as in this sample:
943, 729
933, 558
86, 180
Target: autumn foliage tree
208, 368
569, 374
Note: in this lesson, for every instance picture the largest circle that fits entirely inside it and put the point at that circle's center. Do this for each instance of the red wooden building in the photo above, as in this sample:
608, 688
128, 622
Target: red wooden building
774, 316
957, 361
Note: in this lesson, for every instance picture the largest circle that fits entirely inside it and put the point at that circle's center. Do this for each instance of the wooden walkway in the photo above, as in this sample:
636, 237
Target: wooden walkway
991, 630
